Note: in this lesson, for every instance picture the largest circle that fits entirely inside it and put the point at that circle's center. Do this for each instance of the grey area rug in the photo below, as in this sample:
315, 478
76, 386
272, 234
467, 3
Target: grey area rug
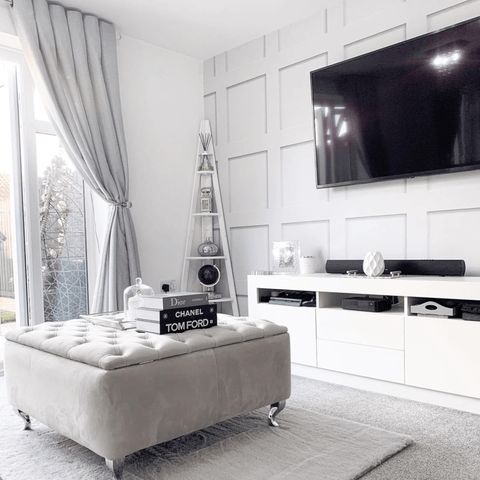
447, 441
307, 445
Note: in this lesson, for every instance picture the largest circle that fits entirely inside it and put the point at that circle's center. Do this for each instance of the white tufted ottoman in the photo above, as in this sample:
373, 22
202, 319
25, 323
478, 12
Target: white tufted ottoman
116, 392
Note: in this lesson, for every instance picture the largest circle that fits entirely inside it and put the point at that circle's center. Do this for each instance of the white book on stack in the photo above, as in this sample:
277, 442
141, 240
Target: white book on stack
167, 301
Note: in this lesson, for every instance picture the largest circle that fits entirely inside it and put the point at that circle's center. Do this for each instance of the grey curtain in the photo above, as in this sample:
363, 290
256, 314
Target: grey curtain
73, 60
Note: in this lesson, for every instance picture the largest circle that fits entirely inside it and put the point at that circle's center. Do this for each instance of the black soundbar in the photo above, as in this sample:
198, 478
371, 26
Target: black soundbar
448, 268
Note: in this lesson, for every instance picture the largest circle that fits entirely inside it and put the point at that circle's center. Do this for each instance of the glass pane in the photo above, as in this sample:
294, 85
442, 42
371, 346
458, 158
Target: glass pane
40, 111
62, 233
7, 293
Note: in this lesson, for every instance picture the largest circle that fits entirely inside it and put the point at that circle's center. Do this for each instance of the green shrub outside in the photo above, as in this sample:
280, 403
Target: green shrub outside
7, 317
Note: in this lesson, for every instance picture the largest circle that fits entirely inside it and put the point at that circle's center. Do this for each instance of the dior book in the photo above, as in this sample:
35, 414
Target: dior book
165, 301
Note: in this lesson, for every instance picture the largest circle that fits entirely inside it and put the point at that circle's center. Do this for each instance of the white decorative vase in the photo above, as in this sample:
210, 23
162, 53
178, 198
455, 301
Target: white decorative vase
373, 264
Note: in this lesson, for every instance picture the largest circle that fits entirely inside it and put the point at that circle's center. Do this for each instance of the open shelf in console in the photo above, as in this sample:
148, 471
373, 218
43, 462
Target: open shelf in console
440, 308
291, 298
333, 301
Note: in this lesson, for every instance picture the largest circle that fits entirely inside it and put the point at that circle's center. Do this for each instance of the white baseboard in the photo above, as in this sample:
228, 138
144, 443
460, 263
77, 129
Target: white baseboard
433, 397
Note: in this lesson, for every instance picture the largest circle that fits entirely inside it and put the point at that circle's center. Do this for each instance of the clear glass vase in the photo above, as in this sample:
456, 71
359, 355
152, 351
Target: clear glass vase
207, 248
131, 299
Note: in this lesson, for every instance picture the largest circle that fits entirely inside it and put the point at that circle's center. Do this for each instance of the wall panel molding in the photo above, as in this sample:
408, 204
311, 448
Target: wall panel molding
247, 109
248, 185
245, 54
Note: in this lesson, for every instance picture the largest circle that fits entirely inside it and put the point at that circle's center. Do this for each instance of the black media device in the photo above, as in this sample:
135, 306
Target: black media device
293, 298
407, 110
366, 304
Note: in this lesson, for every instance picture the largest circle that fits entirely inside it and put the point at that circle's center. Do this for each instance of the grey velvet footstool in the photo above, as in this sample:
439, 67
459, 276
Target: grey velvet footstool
117, 392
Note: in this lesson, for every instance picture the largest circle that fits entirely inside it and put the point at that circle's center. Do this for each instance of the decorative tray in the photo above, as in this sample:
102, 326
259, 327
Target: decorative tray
110, 319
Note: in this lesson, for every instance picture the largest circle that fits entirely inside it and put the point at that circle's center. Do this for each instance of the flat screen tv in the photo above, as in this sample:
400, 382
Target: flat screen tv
403, 111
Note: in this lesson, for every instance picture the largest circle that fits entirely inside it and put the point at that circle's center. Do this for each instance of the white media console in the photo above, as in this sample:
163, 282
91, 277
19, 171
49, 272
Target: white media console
395, 346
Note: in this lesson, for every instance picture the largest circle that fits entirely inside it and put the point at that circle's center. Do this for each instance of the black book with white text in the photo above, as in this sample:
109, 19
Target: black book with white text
176, 320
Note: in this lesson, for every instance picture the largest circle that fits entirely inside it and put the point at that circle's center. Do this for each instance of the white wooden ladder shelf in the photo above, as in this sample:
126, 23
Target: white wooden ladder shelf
207, 224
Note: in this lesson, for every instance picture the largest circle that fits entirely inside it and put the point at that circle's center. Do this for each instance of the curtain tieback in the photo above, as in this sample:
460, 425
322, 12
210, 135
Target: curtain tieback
126, 204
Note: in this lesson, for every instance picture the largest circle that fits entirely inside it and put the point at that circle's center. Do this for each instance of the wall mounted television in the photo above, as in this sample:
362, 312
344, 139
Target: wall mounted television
403, 111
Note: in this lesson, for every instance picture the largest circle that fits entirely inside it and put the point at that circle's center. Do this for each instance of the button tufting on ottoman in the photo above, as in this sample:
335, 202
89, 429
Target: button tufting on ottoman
116, 392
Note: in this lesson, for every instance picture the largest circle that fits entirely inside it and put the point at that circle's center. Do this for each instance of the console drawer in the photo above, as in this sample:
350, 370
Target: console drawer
380, 363
376, 329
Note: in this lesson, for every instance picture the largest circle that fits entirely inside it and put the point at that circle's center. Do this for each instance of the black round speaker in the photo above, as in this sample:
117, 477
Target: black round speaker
209, 275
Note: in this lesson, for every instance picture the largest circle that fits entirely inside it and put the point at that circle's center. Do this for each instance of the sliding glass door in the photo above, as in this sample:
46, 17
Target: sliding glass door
43, 269
10, 306
62, 226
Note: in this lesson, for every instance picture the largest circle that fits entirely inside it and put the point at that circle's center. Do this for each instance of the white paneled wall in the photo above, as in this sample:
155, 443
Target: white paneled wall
247, 100
257, 97
251, 247
248, 193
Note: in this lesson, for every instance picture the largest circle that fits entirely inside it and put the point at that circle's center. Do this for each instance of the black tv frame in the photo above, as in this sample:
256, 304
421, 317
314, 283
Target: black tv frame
360, 59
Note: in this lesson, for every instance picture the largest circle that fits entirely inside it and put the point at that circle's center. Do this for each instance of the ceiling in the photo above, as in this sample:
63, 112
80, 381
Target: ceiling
198, 28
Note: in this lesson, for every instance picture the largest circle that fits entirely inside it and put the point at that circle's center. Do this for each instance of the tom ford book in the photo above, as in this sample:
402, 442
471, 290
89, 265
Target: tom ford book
176, 320
165, 301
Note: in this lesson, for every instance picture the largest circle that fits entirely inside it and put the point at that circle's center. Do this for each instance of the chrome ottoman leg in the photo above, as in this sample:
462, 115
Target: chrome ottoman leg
116, 466
26, 418
275, 409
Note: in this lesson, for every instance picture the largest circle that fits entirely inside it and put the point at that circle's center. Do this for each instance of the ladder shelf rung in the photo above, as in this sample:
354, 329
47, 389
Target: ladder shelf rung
217, 257
221, 300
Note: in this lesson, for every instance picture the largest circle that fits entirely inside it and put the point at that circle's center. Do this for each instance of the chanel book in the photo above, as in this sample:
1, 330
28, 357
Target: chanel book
176, 320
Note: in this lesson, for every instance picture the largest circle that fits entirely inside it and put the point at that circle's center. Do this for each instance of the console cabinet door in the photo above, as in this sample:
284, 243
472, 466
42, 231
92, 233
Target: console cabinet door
300, 322
443, 354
